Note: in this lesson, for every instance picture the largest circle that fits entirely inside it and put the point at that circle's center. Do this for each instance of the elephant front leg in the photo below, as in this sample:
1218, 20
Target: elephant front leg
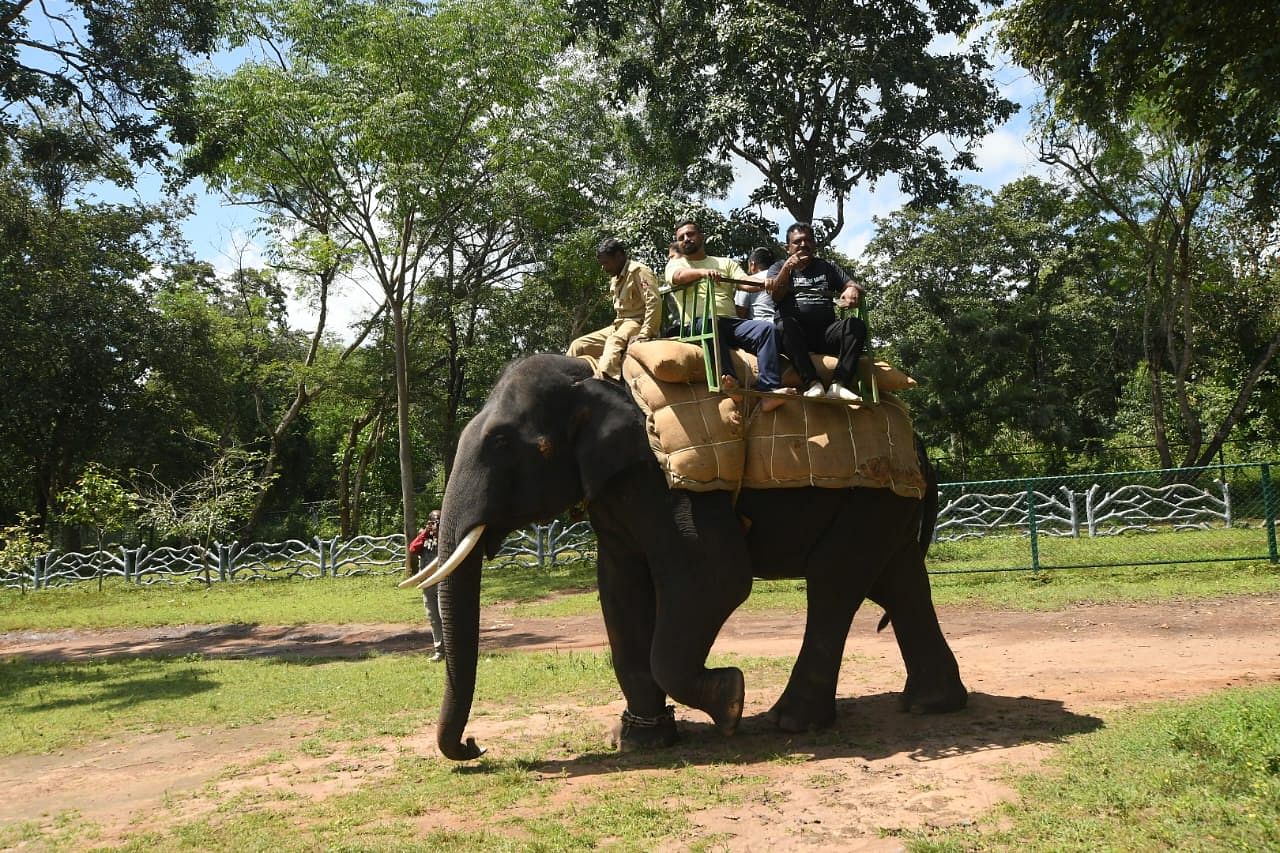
628, 602
682, 640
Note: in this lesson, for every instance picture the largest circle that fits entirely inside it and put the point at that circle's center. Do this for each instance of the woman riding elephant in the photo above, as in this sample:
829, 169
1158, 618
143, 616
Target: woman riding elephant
674, 564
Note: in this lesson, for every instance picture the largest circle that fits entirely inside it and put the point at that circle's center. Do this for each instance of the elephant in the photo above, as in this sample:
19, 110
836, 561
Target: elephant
674, 564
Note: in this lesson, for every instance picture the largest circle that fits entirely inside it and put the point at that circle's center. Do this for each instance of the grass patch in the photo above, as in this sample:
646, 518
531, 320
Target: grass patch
1192, 776
568, 589
50, 706
1052, 590
363, 599
1001, 551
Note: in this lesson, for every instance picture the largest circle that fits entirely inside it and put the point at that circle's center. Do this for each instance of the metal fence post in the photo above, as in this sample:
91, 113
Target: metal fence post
320, 551
1031, 525
130, 561
1269, 508
1075, 512
540, 535
224, 560
38, 578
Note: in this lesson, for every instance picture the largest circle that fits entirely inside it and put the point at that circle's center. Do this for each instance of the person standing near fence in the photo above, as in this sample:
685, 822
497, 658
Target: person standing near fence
425, 546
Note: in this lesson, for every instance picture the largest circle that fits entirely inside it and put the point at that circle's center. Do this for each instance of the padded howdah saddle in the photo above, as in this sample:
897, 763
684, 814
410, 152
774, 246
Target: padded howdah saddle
703, 444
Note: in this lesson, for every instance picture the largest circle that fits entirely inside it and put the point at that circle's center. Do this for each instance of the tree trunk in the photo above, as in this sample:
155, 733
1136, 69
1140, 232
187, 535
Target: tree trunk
344, 472
402, 420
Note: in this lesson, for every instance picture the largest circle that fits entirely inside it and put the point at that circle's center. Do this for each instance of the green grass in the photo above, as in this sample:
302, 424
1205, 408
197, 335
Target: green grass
364, 599
1052, 590
50, 706
1000, 551
1203, 775
569, 590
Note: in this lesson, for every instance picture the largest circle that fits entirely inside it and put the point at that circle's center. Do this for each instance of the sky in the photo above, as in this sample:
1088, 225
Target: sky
222, 233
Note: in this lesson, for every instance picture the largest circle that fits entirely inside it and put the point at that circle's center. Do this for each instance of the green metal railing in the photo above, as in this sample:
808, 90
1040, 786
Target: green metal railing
1217, 513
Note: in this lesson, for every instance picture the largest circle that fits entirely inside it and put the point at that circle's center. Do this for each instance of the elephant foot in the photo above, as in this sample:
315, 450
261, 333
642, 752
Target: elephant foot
941, 699
634, 733
729, 695
795, 715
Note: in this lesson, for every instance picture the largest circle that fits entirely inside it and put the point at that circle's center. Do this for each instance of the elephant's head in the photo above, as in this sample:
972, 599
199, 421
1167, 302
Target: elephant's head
549, 436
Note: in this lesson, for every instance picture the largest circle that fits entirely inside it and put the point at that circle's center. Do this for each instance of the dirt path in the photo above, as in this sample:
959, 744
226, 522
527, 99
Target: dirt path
1035, 677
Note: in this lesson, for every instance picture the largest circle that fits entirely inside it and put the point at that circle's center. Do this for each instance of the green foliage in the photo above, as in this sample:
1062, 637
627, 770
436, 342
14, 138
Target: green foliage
119, 67
438, 150
817, 98
1193, 265
20, 544
1208, 67
208, 507
1003, 306
80, 335
97, 500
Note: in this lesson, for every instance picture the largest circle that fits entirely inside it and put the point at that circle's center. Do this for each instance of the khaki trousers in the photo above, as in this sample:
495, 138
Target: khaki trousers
607, 346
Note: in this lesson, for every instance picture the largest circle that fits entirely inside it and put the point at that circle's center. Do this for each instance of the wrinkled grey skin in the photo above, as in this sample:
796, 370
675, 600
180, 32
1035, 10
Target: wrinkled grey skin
674, 564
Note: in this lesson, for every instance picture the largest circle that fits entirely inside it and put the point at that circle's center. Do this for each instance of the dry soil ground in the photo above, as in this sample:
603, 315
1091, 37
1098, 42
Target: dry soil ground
1035, 677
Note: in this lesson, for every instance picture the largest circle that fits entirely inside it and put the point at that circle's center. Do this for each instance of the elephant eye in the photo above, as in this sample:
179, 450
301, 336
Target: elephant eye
498, 438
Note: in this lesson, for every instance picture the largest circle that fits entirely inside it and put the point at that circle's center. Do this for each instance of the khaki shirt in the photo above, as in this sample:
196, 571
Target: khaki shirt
690, 300
635, 297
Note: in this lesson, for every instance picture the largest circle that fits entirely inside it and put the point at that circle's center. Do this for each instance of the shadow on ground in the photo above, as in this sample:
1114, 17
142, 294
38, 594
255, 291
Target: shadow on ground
867, 727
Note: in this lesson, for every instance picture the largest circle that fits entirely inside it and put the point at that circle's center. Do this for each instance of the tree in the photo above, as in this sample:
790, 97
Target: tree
382, 123
817, 97
97, 500
439, 149
1208, 67
117, 67
20, 544
80, 335
1200, 267
213, 504
1002, 306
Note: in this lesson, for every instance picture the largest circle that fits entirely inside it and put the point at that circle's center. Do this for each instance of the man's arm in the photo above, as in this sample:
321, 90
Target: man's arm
648, 284
851, 293
686, 276
778, 280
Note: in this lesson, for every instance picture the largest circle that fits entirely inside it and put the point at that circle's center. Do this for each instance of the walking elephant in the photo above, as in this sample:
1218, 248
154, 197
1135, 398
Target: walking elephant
674, 564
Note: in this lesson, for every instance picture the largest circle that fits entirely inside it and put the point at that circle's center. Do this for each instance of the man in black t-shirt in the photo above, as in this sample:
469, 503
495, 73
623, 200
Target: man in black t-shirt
804, 287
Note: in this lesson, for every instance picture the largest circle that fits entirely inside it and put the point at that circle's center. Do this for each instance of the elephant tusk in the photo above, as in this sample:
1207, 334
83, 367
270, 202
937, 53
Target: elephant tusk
422, 573
459, 554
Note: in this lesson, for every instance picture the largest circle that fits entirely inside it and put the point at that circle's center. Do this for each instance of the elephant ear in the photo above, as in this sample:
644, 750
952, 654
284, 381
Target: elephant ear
608, 433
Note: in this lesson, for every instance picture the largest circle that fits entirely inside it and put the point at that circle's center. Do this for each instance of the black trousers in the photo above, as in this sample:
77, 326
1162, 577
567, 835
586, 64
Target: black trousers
843, 338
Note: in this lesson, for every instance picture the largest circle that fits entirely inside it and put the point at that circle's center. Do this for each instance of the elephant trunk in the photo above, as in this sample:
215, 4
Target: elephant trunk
460, 617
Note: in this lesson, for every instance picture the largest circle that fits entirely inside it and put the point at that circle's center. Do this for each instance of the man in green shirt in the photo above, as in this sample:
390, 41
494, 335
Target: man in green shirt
694, 274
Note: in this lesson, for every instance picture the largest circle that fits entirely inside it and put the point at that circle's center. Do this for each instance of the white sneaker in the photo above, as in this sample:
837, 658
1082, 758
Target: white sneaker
839, 392
814, 389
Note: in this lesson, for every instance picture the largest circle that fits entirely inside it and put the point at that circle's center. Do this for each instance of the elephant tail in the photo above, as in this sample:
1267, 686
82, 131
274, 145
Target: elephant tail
884, 622
929, 511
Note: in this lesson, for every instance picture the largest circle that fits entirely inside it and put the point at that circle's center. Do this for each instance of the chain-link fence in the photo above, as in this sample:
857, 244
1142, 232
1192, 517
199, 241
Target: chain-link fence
1130, 518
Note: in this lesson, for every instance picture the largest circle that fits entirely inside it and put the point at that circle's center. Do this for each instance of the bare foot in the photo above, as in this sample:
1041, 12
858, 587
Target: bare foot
777, 398
729, 387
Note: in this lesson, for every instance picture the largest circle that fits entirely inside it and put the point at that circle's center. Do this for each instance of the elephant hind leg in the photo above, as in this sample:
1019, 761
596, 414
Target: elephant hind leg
933, 682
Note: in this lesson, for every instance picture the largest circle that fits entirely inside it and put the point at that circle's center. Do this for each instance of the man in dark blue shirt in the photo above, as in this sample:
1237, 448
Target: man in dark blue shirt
806, 290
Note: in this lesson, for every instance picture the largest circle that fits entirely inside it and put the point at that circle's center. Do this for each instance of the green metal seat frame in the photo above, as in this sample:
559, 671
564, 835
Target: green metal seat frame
709, 341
